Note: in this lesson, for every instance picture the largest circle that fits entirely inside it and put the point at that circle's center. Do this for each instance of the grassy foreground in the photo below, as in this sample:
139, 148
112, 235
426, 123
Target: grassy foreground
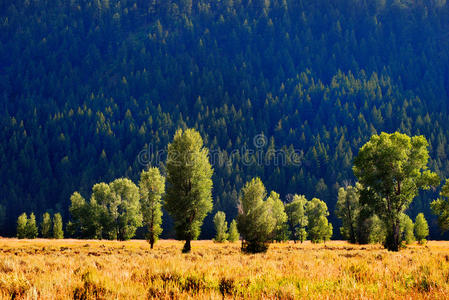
62, 269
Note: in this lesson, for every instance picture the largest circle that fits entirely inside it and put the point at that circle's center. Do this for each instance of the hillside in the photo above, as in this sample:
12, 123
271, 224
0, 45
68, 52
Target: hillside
87, 88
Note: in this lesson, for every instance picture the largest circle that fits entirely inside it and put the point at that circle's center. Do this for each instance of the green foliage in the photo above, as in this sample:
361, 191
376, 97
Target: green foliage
125, 208
348, 210
376, 230
46, 226
255, 221
406, 229
152, 188
58, 232
189, 184
319, 228
280, 232
22, 226
421, 228
221, 227
31, 227
392, 169
124, 90
85, 217
297, 218
440, 207
233, 232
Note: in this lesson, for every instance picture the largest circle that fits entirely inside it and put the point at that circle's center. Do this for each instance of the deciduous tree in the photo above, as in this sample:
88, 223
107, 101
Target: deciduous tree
392, 169
189, 184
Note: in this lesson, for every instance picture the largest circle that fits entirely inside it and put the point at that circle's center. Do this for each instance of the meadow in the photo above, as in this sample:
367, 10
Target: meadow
88, 269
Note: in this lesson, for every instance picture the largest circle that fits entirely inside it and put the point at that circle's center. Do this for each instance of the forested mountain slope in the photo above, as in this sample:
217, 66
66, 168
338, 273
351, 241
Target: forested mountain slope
86, 86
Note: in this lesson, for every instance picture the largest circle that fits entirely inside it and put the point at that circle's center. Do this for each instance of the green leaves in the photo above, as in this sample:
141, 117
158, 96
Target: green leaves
221, 227
440, 207
189, 183
151, 188
393, 168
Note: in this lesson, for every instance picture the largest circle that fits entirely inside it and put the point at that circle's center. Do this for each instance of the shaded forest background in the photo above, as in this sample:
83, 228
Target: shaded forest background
86, 85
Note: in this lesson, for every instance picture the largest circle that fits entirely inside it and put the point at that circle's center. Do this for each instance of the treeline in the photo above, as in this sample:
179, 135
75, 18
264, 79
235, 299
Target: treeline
87, 85
27, 227
391, 169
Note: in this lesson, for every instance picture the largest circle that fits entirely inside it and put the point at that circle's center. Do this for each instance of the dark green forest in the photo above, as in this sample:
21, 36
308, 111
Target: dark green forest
89, 86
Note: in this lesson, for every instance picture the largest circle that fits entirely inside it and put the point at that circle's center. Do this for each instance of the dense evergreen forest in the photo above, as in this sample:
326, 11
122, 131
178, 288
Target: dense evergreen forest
87, 85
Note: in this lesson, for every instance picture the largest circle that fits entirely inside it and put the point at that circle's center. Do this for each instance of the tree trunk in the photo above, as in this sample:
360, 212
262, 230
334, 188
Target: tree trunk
393, 240
151, 243
187, 247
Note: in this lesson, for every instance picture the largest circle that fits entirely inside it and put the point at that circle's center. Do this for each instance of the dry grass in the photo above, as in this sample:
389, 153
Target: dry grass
62, 269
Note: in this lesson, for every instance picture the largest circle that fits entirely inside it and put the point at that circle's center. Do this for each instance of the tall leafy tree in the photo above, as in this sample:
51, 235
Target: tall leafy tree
58, 232
280, 232
255, 220
392, 169
421, 228
348, 210
233, 232
189, 184
406, 228
319, 228
152, 188
85, 218
297, 218
221, 227
125, 212
46, 226
440, 207
31, 227
22, 226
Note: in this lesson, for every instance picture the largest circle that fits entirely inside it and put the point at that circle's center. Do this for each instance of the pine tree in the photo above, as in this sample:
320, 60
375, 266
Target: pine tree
58, 233
31, 227
152, 187
421, 228
221, 227
22, 226
46, 226
233, 232
189, 184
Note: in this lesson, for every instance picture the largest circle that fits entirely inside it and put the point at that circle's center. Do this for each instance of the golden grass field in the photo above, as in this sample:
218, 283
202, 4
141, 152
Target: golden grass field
64, 269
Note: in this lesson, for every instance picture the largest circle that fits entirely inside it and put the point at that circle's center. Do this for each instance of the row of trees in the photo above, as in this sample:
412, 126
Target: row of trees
391, 169
27, 227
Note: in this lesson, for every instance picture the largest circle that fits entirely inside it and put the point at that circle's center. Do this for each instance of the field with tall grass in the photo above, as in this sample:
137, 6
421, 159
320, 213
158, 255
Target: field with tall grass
81, 269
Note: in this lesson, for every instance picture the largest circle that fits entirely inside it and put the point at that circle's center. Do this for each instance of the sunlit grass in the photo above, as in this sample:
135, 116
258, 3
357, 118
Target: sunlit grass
61, 269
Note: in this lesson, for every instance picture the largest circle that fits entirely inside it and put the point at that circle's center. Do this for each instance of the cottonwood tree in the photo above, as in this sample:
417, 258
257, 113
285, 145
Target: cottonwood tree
152, 188
85, 218
421, 228
46, 226
22, 226
255, 220
280, 232
406, 228
125, 211
221, 227
31, 227
297, 218
233, 232
58, 232
440, 207
189, 184
319, 228
392, 169
348, 210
